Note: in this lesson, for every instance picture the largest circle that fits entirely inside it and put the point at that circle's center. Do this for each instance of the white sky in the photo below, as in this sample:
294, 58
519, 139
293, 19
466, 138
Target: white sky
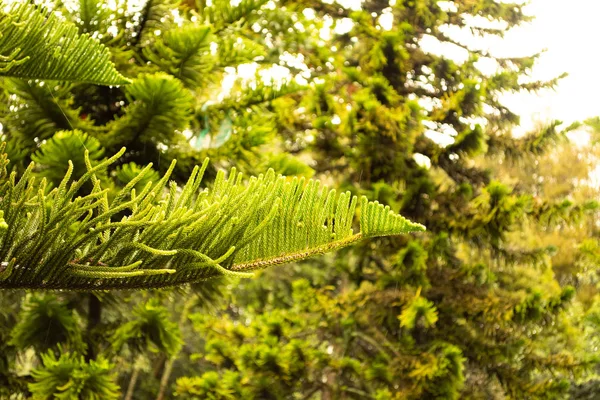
570, 30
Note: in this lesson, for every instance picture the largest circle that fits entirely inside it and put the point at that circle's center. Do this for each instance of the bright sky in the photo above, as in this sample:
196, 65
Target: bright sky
570, 31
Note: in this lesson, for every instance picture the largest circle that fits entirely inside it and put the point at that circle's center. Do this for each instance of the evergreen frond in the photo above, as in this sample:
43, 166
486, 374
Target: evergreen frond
128, 172
92, 16
53, 156
16, 152
70, 377
152, 17
150, 329
40, 111
223, 13
419, 312
36, 44
161, 105
259, 94
210, 384
536, 142
469, 142
45, 322
285, 164
184, 53
175, 237
238, 50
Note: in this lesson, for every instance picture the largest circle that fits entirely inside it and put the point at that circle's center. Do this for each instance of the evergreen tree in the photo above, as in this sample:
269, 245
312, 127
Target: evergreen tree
481, 305
74, 219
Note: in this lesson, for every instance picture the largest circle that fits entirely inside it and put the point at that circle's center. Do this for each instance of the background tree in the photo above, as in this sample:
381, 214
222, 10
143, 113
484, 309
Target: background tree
468, 310
479, 307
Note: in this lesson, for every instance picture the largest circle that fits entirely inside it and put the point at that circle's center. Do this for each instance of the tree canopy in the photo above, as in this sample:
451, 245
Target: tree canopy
114, 178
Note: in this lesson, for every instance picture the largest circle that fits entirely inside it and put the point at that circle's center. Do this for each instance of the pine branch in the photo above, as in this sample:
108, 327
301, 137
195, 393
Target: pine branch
259, 94
45, 110
223, 13
151, 17
35, 44
235, 50
167, 238
160, 106
184, 52
53, 155
536, 142
90, 16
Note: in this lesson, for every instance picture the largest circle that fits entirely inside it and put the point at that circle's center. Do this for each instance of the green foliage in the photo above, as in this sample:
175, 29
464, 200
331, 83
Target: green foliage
44, 323
36, 44
287, 165
537, 142
152, 17
428, 135
16, 153
286, 350
250, 96
222, 12
91, 16
52, 158
443, 374
238, 50
184, 53
70, 377
410, 266
43, 111
419, 311
498, 299
161, 107
208, 386
128, 172
150, 330
268, 363
170, 239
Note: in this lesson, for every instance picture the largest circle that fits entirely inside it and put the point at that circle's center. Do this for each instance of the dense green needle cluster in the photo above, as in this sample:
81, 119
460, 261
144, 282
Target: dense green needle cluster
156, 238
34, 44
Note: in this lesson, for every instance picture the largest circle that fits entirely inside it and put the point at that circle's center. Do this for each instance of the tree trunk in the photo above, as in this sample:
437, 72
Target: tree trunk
93, 320
164, 380
132, 382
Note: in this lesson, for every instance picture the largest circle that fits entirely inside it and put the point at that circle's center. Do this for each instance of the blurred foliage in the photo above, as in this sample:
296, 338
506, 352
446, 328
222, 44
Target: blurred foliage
497, 300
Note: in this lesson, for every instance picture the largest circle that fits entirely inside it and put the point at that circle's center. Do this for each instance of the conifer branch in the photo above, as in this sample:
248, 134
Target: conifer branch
61, 240
36, 44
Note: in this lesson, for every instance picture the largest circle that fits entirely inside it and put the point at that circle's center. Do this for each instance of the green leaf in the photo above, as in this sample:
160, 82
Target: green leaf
92, 16
128, 172
36, 44
152, 17
223, 13
45, 322
419, 311
40, 111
